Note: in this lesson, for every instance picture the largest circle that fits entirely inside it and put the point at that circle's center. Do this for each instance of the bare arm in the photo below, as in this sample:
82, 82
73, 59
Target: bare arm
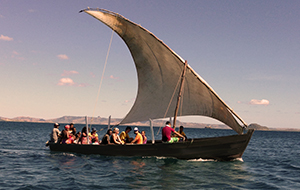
178, 134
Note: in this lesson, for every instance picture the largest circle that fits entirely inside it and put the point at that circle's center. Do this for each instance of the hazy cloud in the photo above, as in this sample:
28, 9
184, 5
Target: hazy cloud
128, 101
83, 85
63, 57
6, 38
67, 73
16, 55
255, 102
259, 102
70, 82
66, 82
92, 74
112, 77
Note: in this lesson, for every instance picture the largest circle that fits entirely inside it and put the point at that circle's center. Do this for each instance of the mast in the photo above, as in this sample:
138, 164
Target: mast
87, 129
179, 94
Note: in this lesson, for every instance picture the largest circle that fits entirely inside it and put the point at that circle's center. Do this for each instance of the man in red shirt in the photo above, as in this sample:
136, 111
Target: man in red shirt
166, 134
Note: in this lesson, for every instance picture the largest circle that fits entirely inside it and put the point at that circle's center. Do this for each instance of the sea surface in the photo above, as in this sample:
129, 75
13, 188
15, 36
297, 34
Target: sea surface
271, 161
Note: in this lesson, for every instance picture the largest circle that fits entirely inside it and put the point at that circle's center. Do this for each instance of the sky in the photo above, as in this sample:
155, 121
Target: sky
52, 57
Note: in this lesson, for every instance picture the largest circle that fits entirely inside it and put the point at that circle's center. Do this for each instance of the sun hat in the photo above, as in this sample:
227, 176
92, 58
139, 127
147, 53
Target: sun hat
136, 129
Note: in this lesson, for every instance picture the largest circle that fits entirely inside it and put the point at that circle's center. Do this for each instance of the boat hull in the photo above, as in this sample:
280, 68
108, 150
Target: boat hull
218, 148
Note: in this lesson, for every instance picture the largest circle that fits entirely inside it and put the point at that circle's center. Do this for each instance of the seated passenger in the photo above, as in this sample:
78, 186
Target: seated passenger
106, 137
125, 137
166, 134
94, 136
144, 137
138, 137
77, 137
72, 129
55, 134
84, 137
66, 138
181, 132
115, 138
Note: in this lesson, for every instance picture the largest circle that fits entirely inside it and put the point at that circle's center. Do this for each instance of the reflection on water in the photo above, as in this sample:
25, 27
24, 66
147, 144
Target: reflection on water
138, 167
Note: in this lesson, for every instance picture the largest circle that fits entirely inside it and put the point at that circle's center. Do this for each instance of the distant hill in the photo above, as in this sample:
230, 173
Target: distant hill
104, 121
114, 121
257, 127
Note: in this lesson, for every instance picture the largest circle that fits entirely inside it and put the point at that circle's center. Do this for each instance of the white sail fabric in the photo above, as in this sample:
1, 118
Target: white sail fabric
159, 69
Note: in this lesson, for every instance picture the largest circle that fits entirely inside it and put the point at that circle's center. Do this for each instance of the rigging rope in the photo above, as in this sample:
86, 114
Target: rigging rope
170, 102
102, 76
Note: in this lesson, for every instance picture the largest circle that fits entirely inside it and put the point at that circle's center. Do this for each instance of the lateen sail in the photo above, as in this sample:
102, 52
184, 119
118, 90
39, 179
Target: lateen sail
159, 69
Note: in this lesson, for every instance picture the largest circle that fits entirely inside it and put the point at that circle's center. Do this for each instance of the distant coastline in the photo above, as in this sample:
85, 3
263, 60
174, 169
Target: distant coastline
114, 121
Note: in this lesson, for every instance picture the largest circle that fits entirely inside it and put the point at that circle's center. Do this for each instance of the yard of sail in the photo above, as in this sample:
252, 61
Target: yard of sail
158, 69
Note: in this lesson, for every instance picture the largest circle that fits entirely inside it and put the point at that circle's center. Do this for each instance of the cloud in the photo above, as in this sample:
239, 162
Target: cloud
112, 77
259, 102
63, 57
6, 38
67, 73
70, 82
128, 101
16, 55
83, 85
92, 74
66, 82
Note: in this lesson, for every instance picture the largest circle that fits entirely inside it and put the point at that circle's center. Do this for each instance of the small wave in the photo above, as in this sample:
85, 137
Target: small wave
295, 166
202, 160
213, 160
238, 159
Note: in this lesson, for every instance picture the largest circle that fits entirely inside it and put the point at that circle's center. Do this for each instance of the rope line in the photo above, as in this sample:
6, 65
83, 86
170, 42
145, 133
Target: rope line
102, 77
170, 102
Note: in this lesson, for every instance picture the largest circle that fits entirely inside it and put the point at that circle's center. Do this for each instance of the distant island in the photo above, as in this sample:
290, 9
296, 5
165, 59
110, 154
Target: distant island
104, 121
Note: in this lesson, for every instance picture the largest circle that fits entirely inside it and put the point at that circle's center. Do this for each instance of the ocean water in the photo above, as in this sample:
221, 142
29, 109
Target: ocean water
271, 161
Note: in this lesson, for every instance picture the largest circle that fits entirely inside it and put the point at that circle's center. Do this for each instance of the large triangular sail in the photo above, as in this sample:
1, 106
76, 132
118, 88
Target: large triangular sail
158, 69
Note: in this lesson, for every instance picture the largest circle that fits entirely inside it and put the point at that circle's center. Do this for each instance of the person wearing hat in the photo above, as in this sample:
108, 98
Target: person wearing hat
94, 136
138, 137
55, 134
66, 138
125, 137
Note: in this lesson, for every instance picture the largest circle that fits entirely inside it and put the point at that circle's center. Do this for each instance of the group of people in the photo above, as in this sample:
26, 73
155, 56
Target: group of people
70, 136
113, 137
169, 135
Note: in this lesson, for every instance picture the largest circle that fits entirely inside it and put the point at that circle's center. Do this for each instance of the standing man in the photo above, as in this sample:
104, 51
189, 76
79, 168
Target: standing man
55, 134
166, 134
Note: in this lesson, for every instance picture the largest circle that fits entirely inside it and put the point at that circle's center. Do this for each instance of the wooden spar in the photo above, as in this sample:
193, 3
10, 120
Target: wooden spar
109, 119
87, 129
179, 94
152, 131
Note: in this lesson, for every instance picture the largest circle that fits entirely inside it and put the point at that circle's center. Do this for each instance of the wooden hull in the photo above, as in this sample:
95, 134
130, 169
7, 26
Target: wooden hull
218, 148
